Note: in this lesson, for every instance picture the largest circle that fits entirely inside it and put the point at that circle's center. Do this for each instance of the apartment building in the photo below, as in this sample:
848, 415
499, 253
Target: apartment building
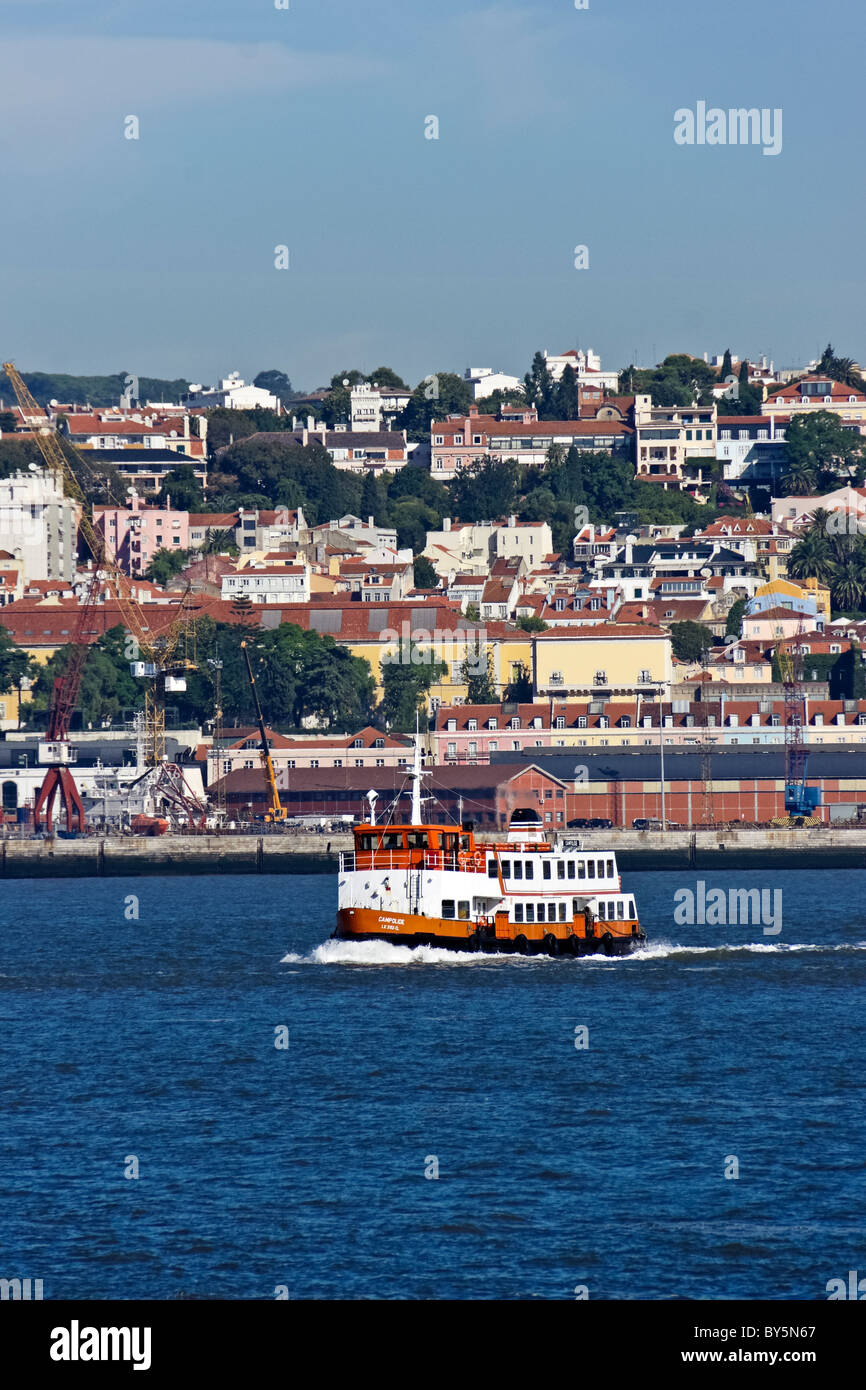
39, 525
668, 438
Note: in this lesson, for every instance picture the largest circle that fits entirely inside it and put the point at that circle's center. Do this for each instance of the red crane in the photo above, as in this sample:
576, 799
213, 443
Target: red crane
160, 664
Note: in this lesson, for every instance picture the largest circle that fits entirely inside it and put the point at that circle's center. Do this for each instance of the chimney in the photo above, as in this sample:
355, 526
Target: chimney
512, 520
311, 423
629, 542
371, 521
446, 523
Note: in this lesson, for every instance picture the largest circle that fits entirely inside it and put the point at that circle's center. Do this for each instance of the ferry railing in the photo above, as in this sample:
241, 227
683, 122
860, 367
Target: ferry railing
464, 861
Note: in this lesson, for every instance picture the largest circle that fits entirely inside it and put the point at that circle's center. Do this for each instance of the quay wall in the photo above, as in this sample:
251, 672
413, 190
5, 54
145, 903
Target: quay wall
120, 856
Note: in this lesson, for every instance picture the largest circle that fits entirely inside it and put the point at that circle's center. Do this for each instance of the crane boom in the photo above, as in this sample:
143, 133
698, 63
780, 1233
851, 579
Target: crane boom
277, 811
159, 650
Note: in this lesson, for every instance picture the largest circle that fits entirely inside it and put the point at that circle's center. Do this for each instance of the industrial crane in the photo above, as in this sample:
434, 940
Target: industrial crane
277, 811
161, 664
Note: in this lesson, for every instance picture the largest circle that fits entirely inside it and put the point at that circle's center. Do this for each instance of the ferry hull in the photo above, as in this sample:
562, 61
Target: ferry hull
405, 929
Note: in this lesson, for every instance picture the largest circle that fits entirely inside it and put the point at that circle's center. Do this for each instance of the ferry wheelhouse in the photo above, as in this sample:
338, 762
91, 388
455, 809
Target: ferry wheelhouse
419, 884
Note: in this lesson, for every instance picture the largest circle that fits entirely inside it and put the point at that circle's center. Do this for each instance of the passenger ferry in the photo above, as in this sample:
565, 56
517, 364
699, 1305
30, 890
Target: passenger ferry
420, 884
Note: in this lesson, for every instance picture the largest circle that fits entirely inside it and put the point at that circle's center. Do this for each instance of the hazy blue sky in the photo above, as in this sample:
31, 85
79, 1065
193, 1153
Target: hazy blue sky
305, 127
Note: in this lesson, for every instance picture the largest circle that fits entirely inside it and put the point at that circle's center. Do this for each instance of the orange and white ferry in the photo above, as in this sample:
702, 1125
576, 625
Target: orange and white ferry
420, 884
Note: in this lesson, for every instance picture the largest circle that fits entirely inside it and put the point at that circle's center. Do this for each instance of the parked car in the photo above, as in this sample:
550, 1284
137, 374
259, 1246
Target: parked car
592, 823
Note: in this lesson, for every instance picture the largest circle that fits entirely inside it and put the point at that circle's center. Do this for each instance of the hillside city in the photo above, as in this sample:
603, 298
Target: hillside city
560, 581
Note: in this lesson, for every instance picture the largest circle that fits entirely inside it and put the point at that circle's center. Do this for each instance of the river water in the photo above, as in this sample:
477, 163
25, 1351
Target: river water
335, 1121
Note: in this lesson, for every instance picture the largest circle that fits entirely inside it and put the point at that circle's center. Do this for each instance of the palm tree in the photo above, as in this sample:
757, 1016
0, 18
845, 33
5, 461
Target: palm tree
800, 481
821, 522
848, 577
811, 557
217, 540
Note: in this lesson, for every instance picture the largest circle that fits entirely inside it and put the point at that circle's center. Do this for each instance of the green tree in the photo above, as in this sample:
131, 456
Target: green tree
690, 641
386, 377
183, 489
374, 500
439, 395
425, 576
480, 685
848, 574
165, 564
15, 664
277, 383
532, 623
107, 685
486, 489
406, 681
538, 387
820, 448
727, 365
734, 622
840, 369
565, 403
811, 558
219, 541
226, 426
280, 470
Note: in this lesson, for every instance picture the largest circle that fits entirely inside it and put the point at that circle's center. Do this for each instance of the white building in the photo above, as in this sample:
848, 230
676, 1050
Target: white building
586, 367
265, 583
366, 407
484, 381
38, 525
233, 394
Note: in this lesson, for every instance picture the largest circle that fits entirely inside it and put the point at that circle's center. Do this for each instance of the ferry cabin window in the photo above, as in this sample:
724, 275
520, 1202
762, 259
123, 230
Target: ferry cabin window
417, 839
463, 910
506, 868
518, 912
447, 907
631, 911
581, 868
575, 906
545, 868
392, 841
551, 912
518, 868
492, 869
571, 868
530, 912
590, 868
464, 842
620, 909
529, 869
449, 843
610, 868
562, 912
560, 868
366, 842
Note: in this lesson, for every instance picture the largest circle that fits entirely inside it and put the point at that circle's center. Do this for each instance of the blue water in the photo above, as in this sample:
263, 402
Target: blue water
304, 1168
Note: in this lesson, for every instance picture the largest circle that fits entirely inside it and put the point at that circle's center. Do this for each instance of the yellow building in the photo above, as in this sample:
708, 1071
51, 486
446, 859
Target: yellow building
607, 660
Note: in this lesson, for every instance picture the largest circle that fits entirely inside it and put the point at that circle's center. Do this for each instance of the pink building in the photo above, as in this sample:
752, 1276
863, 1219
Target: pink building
134, 534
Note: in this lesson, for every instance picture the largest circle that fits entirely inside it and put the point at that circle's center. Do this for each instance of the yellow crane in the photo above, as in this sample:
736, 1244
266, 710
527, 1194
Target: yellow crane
277, 811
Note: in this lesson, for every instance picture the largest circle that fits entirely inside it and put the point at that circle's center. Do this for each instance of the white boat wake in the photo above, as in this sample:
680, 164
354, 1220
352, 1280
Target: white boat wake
379, 953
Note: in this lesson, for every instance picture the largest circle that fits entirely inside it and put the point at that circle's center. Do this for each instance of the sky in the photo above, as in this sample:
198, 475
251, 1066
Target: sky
304, 127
